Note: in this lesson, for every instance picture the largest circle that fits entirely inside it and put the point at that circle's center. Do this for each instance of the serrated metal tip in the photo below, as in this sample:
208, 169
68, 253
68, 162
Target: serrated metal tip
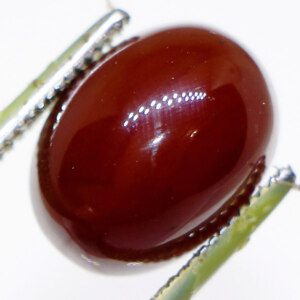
285, 174
91, 46
124, 16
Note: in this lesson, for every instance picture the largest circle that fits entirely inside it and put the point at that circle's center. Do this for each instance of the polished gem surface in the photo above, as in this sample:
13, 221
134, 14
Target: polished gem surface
156, 145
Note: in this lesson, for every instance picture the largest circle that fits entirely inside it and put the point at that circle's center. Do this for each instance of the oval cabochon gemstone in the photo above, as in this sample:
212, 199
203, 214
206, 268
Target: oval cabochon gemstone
157, 146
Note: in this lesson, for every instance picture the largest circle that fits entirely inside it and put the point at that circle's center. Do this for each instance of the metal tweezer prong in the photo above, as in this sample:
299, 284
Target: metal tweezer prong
93, 44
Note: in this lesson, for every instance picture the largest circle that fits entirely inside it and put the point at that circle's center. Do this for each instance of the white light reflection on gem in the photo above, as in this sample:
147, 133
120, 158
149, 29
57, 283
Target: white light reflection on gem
158, 139
193, 133
59, 115
201, 96
154, 144
130, 115
166, 101
90, 261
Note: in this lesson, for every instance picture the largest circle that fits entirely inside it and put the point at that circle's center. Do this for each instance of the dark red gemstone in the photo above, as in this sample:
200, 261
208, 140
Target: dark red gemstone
157, 146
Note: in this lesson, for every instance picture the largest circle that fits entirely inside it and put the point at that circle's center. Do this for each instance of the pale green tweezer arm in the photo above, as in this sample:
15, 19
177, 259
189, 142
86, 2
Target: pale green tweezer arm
218, 249
16, 117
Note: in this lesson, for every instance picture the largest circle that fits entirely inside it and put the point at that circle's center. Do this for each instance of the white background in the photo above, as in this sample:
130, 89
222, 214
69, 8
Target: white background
33, 33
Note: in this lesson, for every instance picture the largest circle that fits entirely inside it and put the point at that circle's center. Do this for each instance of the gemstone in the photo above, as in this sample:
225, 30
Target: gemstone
157, 146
